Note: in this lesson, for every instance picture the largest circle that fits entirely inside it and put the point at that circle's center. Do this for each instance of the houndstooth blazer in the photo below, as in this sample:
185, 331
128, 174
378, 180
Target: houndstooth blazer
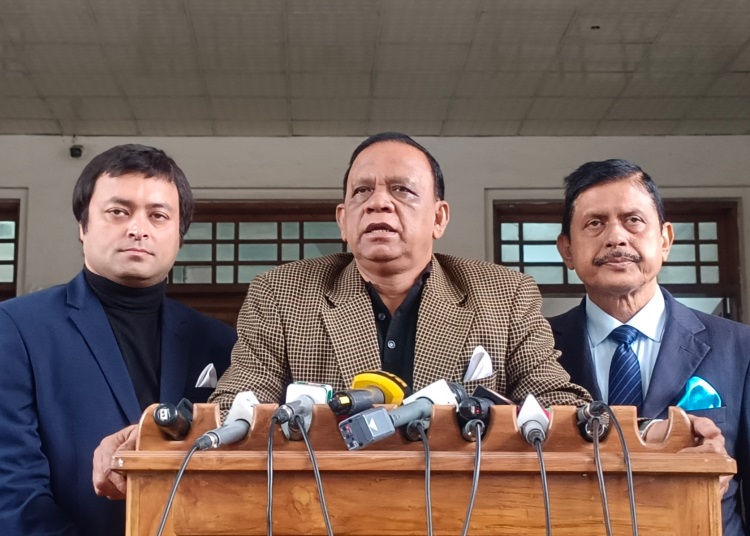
312, 320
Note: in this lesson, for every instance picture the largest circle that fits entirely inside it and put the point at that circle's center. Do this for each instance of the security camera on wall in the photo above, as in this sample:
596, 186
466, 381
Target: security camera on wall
76, 151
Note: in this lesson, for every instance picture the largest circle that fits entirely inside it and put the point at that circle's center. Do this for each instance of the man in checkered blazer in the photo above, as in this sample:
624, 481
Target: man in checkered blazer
324, 320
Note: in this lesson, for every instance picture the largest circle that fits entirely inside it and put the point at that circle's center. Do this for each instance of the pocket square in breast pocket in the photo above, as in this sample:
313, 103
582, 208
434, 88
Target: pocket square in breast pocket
207, 378
699, 394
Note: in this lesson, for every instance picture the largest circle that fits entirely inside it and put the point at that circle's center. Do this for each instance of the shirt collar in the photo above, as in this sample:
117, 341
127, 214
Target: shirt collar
650, 320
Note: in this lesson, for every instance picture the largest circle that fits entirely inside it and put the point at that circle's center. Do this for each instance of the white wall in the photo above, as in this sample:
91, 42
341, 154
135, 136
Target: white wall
478, 170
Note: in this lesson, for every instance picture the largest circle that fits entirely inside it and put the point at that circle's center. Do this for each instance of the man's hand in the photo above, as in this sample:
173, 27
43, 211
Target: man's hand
106, 482
706, 436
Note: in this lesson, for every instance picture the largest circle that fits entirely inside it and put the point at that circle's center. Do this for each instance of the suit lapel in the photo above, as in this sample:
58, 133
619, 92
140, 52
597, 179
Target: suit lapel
442, 316
350, 325
87, 313
679, 356
572, 340
175, 354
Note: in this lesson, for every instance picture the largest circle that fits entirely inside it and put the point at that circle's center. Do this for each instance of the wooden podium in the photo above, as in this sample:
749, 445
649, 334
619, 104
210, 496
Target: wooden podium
379, 491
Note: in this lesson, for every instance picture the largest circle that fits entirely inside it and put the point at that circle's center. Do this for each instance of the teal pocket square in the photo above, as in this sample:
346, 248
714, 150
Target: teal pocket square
699, 394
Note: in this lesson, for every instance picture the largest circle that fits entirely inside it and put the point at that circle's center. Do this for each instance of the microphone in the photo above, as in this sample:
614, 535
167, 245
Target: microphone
236, 425
586, 414
473, 410
375, 424
301, 397
369, 388
533, 421
174, 421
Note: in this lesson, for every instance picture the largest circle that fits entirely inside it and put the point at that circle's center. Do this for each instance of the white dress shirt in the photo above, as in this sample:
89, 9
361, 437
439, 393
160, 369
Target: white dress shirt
649, 321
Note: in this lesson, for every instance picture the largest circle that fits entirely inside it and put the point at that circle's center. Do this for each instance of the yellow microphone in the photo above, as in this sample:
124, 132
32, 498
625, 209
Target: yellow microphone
369, 388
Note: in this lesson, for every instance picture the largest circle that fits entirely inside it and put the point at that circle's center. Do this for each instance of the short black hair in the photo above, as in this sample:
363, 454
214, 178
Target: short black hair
398, 137
131, 158
591, 174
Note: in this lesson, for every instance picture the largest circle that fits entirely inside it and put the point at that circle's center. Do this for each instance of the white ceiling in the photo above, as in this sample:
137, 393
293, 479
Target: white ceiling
355, 67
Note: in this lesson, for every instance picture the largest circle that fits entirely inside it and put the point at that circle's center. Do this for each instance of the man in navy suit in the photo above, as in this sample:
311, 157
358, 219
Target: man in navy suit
83, 360
614, 235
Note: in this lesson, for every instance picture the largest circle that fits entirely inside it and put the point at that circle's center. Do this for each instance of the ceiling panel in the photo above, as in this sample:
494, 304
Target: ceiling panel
329, 109
582, 84
175, 127
90, 108
409, 109
177, 108
635, 128
337, 67
481, 128
668, 85
245, 84
29, 126
536, 127
569, 109
410, 85
329, 84
416, 128
270, 109
510, 109
650, 108
251, 128
328, 128
109, 127
498, 85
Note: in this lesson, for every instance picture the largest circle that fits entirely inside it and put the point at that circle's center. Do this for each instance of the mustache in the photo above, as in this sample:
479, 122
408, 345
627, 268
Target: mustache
616, 254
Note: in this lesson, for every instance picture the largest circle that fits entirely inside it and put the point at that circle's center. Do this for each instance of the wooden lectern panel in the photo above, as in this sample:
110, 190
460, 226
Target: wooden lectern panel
380, 491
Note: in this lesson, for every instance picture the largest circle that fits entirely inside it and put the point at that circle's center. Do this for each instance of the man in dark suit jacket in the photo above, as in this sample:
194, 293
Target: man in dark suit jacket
82, 360
615, 237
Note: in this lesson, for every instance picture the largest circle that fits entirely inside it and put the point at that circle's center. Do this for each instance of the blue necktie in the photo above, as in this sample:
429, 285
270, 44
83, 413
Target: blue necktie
625, 387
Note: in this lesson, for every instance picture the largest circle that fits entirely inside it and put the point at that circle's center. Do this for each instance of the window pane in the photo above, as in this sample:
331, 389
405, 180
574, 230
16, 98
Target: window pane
195, 252
707, 230
178, 274
258, 252
541, 231
709, 274
318, 250
289, 252
541, 253
709, 252
265, 230
684, 231
321, 229
6, 273
6, 252
225, 274
225, 231
508, 231
225, 252
682, 253
7, 229
545, 274
248, 273
677, 274
514, 267
199, 230
573, 278
290, 230
510, 253
197, 274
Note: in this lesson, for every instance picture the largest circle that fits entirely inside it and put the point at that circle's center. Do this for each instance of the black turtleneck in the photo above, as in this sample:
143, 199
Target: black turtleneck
134, 314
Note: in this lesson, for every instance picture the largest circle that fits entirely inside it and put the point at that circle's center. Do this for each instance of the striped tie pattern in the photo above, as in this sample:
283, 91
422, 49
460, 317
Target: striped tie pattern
625, 385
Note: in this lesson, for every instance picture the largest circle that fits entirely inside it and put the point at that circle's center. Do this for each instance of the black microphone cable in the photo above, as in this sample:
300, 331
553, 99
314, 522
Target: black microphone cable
269, 472
316, 470
628, 470
427, 484
545, 489
600, 475
177, 479
478, 427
